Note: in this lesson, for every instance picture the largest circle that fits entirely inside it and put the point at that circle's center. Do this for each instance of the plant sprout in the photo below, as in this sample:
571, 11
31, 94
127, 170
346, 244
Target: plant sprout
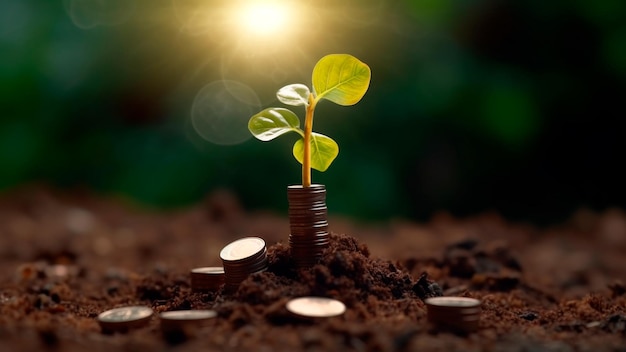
340, 78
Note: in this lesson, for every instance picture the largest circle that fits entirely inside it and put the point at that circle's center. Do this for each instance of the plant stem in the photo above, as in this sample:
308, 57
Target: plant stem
308, 130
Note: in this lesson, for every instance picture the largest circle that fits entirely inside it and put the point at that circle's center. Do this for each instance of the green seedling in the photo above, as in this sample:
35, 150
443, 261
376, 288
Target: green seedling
340, 78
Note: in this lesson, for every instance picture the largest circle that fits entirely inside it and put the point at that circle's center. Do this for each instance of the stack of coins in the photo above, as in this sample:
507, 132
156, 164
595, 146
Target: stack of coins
308, 222
315, 307
241, 258
185, 319
456, 313
124, 318
208, 278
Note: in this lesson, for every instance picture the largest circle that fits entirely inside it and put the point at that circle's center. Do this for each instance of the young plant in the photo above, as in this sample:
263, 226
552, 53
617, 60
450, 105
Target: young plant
340, 78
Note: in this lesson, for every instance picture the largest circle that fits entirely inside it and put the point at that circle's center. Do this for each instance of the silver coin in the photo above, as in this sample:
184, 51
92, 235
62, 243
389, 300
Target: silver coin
316, 307
125, 314
453, 302
61, 271
188, 315
242, 248
186, 320
459, 313
124, 317
209, 270
207, 278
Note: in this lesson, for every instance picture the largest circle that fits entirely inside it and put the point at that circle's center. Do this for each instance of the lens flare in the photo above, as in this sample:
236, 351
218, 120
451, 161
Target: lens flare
264, 18
221, 111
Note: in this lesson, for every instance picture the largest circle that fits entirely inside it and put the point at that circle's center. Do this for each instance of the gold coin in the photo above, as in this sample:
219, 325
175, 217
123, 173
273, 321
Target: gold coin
316, 307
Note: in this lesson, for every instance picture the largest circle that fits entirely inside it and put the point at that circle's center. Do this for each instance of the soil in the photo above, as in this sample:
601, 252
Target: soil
68, 256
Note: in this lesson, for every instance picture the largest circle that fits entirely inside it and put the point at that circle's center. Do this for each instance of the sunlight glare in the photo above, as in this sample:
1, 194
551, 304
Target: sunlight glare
264, 17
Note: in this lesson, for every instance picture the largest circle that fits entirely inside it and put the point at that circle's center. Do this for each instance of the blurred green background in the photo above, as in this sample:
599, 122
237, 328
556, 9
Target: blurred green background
513, 106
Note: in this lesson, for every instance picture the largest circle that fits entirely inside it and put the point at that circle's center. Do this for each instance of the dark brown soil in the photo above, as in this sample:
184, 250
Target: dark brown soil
67, 257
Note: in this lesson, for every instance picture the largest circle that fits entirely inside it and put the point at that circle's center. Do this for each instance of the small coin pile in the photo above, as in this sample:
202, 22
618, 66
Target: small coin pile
456, 313
315, 307
124, 318
185, 319
208, 278
308, 223
241, 258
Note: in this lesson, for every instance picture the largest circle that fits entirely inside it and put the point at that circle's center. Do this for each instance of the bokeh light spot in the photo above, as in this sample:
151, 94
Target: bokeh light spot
221, 110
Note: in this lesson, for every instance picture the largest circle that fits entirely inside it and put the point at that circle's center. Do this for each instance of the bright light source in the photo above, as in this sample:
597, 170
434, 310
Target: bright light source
264, 17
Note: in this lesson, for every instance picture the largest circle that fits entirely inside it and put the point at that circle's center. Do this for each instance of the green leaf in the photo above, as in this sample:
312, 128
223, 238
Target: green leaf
323, 151
273, 122
341, 78
294, 94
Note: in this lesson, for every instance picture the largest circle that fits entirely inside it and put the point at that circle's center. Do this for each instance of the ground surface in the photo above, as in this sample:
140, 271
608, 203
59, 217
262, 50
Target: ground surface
67, 257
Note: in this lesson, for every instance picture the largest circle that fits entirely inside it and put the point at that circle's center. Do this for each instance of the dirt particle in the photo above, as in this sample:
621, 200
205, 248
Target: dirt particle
425, 288
615, 323
530, 316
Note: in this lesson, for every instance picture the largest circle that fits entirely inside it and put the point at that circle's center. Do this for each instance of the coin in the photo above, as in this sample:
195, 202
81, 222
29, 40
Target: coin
124, 318
316, 307
178, 319
453, 302
61, 271
242, 249
308, 223
209, 270
188, 315
241, 258
457, 313
208, 278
